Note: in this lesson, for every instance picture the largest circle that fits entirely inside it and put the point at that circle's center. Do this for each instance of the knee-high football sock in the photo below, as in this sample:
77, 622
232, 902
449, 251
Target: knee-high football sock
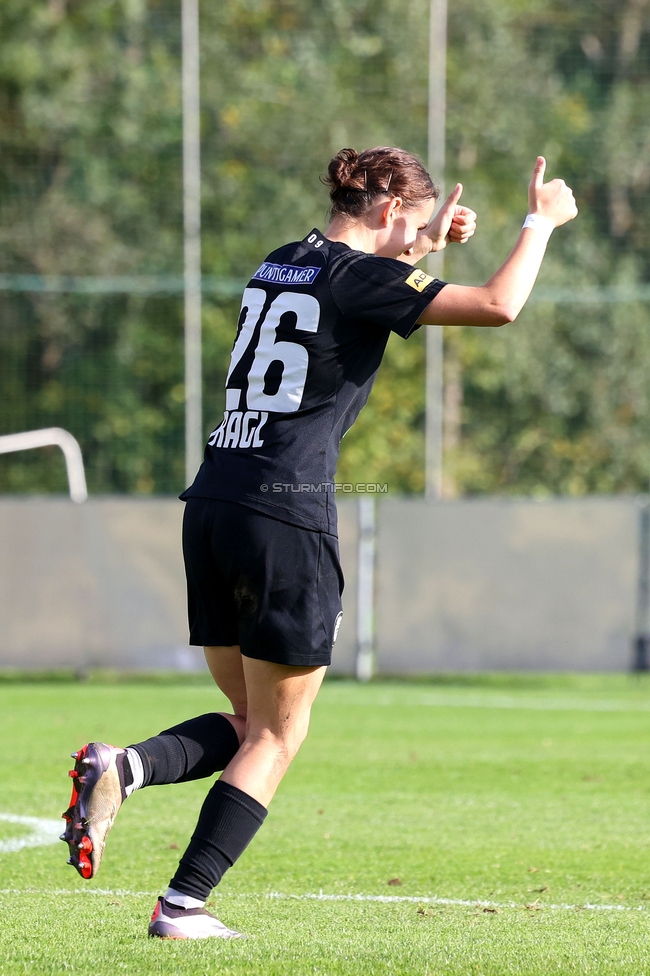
228, 821
192, 750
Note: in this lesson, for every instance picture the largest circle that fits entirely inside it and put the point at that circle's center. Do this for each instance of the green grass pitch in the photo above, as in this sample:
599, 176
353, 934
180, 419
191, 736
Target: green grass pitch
493, 826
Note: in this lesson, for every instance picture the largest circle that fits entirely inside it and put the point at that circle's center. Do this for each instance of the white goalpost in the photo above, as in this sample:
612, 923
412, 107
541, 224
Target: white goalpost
53, 437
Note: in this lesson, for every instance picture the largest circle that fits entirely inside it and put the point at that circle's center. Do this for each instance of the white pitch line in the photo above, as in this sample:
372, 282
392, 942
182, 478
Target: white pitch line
323, 896
500, 702
41, 832
58, 892
433, 900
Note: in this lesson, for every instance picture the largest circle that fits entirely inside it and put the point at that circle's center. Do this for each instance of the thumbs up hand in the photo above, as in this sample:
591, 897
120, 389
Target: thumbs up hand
553, 200
453, 222
463, 225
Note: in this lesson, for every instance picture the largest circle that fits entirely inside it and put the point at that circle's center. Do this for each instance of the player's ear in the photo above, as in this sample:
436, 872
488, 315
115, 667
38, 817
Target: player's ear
390, 210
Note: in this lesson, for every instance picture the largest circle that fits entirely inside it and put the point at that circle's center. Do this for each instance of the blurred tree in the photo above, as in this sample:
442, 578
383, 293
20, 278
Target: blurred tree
559, 401
90, 184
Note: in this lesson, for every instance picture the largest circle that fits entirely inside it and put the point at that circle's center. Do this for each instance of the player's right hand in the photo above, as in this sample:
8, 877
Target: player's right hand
553, 200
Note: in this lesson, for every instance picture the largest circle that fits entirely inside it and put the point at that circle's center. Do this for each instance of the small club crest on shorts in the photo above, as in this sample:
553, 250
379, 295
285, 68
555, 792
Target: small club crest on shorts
337, 624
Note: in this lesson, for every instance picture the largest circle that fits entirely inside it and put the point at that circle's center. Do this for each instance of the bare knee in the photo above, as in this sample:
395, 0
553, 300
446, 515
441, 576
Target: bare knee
284, 743
298, 733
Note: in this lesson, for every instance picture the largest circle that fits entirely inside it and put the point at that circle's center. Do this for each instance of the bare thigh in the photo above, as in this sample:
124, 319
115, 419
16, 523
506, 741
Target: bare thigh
225, 664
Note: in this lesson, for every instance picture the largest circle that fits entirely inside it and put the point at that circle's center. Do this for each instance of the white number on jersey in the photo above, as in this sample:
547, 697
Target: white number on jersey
293, 356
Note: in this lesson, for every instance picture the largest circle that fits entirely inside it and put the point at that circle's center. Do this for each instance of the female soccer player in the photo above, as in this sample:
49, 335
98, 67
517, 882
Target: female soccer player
259, 536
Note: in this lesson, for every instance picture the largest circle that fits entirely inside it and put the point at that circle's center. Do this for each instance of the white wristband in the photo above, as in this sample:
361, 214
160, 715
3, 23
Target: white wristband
539, 223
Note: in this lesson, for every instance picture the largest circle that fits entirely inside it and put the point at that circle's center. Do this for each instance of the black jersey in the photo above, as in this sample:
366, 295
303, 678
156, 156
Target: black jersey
314, 323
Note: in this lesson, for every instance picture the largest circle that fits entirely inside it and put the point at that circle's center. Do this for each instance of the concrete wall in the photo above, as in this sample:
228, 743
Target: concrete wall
494, 584
460, 585
102, 584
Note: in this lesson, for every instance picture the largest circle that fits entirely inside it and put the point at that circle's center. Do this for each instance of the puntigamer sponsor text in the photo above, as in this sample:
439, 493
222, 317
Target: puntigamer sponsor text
286, 274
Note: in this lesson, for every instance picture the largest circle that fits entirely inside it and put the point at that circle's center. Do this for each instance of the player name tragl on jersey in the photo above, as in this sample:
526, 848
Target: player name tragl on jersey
276, 379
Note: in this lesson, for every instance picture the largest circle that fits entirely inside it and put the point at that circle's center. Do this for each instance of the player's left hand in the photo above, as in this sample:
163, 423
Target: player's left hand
463, 225
452, 224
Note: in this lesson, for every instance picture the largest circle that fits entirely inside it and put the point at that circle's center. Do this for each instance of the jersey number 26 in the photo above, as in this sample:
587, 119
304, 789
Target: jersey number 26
292, 356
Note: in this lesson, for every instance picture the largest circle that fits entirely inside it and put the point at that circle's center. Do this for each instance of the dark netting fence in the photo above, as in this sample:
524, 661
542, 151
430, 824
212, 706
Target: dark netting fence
91, 249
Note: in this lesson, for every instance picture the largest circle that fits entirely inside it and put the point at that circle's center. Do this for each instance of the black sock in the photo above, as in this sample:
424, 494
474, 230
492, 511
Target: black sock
228, 821
192, 750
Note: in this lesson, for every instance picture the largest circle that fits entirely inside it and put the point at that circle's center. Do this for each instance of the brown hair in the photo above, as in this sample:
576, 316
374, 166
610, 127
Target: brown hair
357, 179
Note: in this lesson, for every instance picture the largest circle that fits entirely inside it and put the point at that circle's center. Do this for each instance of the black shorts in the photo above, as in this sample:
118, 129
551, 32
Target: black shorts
273, 588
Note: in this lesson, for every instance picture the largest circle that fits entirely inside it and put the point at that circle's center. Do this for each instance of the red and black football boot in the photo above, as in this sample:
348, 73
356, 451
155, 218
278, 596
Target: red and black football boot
97, 794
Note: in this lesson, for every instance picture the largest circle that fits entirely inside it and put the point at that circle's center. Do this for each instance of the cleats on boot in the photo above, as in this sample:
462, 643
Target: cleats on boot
97, 794
171, 922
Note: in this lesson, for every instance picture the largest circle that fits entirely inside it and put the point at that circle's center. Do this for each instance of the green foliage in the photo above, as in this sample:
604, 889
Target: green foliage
90, 184
558, 402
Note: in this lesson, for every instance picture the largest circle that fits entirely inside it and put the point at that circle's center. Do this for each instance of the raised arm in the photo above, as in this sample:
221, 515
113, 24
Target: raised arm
500, 300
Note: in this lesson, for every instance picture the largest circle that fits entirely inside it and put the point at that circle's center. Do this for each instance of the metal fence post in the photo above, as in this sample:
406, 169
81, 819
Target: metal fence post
192, 237
641, 661
435, 262
365, 660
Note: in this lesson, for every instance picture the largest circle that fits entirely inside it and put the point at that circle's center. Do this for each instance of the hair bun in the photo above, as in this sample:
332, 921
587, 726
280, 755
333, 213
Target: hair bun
357, 181
341, 170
